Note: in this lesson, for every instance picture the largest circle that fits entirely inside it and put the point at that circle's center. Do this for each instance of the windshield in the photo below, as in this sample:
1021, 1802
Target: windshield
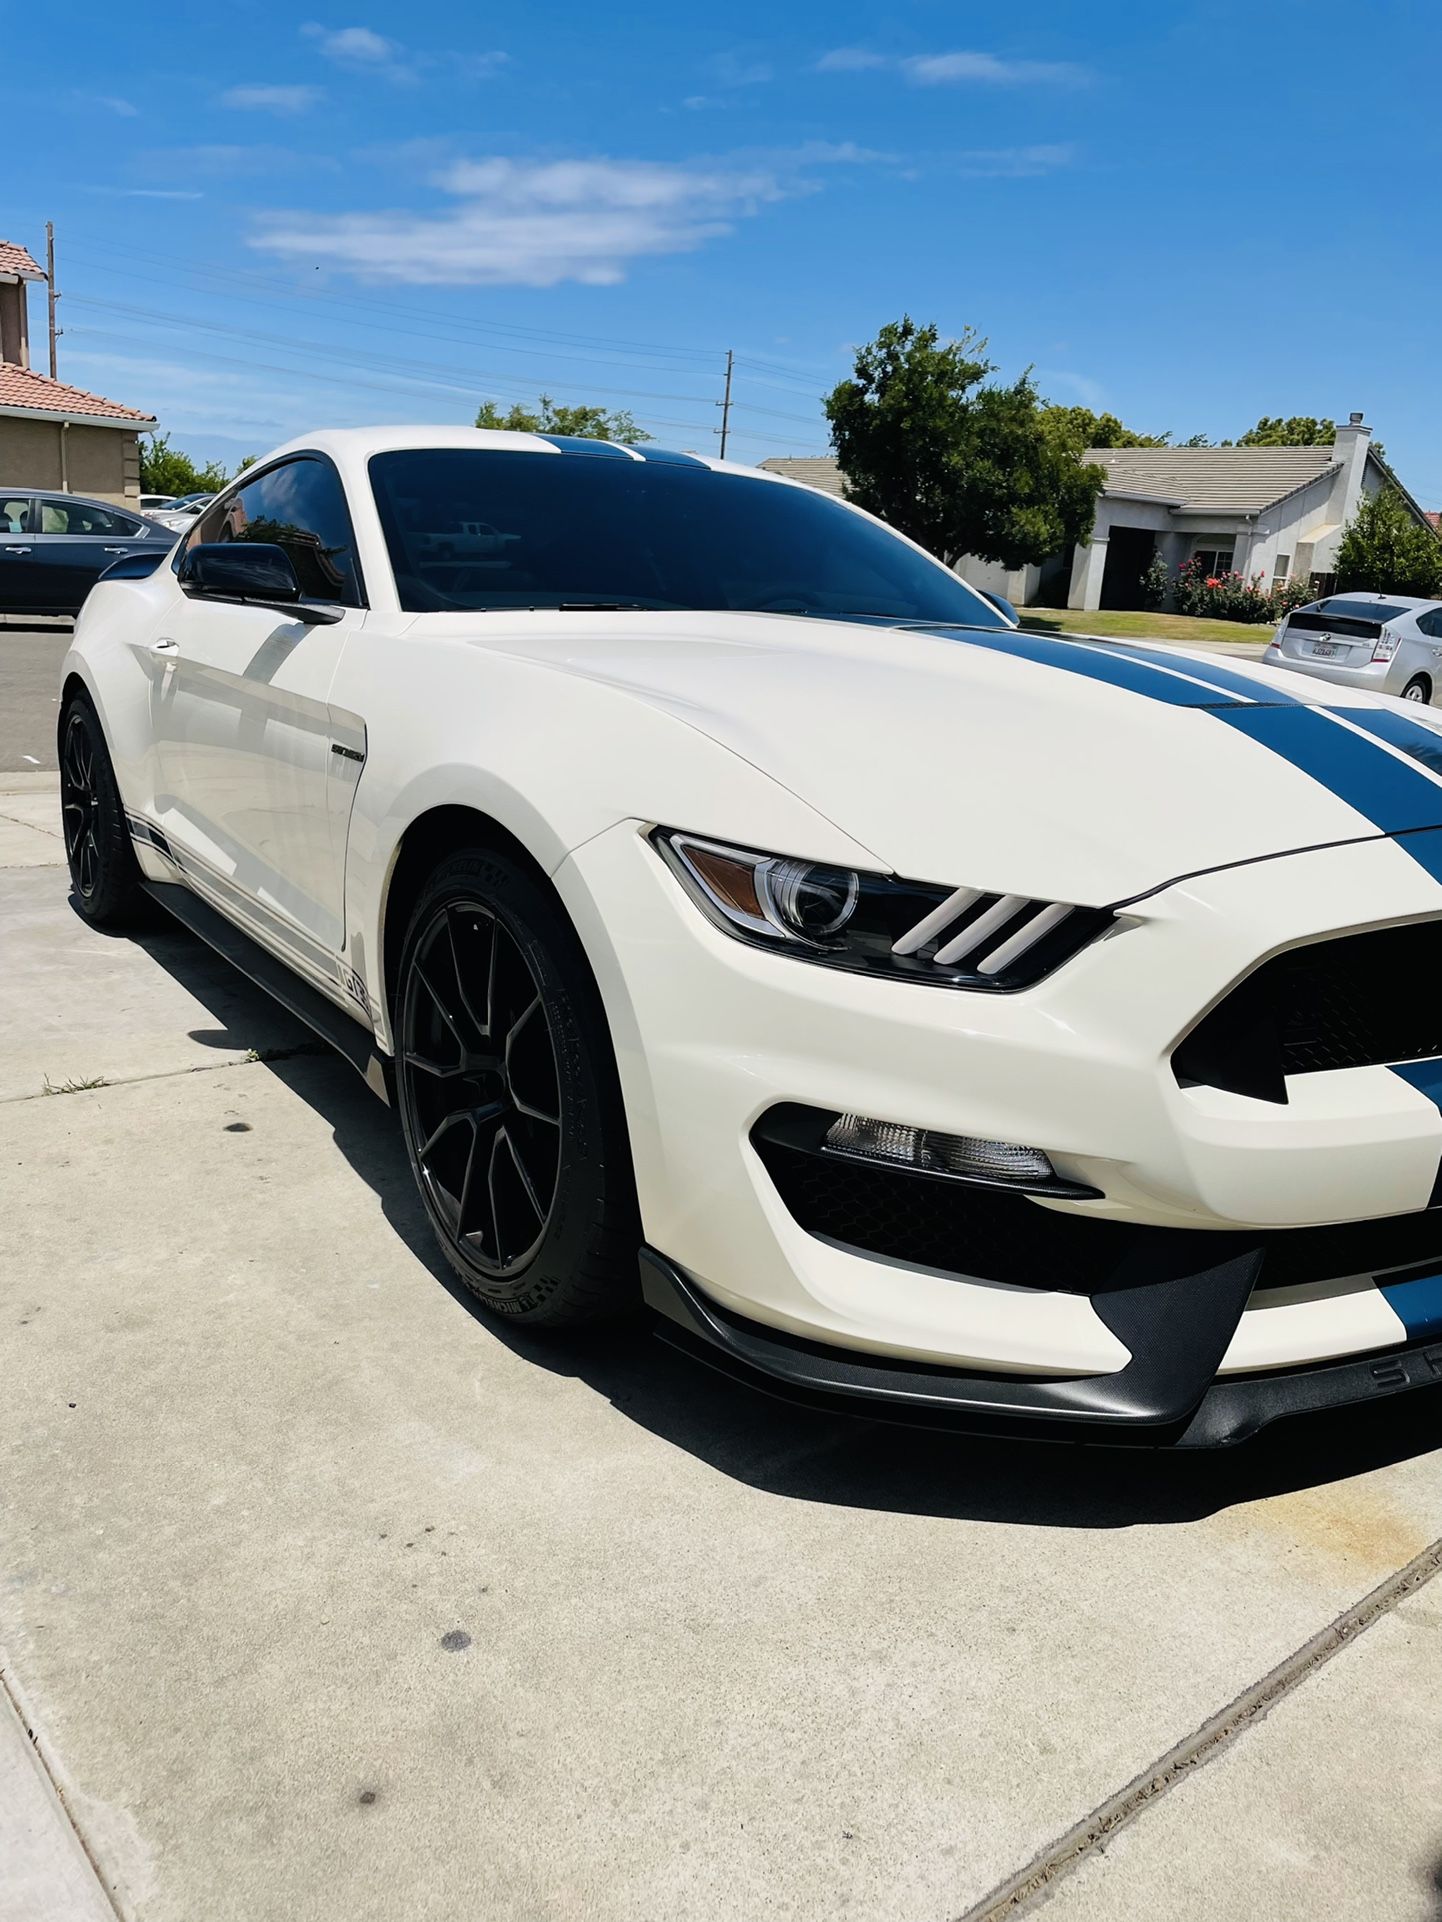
468, 528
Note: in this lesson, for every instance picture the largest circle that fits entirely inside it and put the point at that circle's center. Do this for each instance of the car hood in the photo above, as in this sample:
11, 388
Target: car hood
1074, 769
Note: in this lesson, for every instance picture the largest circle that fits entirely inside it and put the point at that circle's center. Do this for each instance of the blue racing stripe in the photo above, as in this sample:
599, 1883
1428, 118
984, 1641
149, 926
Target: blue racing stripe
1424, 1076
665, 457
1417, 1304
1137, 677
1395, 798
1390, 794
1225, 679
1421, 744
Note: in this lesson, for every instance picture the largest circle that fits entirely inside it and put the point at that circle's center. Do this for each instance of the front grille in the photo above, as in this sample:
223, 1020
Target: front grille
948, 1226
1356, 1002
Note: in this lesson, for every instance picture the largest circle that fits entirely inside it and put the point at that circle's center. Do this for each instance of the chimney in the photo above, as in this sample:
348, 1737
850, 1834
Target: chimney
1350, 447
14, 321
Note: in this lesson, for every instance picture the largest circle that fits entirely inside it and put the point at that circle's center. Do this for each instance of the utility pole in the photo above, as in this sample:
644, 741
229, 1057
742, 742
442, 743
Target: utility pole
725, 405
52, 296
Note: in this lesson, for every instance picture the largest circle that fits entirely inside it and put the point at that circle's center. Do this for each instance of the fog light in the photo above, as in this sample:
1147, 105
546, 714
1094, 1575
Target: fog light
889, 1142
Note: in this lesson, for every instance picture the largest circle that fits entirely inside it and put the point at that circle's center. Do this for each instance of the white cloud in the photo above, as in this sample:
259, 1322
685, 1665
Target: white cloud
233, 161
263, 99
850, 60
149, 193
956, 69
112, 103
1013, 163
538, 223
361, 50
951, 69
734, 69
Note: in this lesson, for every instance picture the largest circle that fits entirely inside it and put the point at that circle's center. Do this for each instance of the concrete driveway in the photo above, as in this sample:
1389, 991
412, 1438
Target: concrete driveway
324, 1600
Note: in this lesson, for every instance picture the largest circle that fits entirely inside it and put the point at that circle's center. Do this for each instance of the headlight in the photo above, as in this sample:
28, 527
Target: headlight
877, 923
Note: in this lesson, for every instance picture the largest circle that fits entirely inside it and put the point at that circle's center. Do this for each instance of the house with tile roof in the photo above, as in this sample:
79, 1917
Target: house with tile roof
53, 434
1274, 511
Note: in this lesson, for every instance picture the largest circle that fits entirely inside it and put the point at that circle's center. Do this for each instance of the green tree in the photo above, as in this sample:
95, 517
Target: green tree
1298, 430
1386, 550
1083, 428
166, 470
549, 417
961, 467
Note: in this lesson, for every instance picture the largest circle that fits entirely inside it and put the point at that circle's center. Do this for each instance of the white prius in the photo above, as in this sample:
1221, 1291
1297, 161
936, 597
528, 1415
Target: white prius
752, 926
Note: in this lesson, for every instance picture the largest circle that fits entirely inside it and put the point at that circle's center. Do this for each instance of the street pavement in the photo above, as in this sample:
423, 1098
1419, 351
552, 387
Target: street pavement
322, 1598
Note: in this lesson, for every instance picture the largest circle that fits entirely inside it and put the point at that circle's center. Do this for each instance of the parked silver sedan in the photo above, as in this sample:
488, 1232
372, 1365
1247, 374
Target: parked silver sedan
1390, 643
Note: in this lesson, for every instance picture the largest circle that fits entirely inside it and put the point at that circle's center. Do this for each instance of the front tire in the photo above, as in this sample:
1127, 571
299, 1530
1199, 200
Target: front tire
1419, 688
509, 1098
104, 874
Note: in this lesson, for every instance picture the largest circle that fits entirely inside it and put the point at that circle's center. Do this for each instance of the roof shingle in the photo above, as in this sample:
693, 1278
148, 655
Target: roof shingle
22, 387
1237, 480
15, 260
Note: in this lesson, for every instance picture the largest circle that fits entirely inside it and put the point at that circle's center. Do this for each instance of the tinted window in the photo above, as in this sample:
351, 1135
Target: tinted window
83, 517
1431, 624
14, 513
473, 529
1354, 610
300, 506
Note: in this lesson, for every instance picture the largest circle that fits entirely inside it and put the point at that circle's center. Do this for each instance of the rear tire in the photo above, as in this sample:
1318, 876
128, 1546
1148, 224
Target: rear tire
1419, 688
509, 1098
104, 874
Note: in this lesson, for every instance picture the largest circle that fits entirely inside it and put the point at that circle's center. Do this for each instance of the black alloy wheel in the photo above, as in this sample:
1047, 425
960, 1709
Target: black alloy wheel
508, 1098
80, 807
104, 873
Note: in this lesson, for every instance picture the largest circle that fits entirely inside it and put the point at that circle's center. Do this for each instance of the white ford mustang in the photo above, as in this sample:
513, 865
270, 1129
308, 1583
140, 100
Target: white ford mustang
976, 1025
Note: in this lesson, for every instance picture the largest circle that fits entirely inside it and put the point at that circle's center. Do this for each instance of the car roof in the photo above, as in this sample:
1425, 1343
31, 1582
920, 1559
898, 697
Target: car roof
353, 447
1403, 603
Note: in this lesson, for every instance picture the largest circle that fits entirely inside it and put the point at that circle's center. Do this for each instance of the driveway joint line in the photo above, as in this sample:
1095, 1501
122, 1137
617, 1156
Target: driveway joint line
174, 1074
1033, 1884
38, 1749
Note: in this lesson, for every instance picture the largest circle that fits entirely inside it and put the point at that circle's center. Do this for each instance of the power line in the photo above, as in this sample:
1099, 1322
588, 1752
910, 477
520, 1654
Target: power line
404, 385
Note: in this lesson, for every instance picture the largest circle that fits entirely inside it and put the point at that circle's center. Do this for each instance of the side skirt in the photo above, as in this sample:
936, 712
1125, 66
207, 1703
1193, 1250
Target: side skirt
321, 1016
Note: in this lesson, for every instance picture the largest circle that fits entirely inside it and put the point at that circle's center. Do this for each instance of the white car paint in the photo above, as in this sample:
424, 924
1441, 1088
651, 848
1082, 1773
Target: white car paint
1074, 772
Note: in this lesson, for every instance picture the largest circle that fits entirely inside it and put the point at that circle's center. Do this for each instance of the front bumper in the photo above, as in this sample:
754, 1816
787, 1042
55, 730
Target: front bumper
710, 1035
1166, 1395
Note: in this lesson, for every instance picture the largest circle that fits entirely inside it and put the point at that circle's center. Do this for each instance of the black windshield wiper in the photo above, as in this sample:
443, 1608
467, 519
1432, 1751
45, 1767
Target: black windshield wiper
600, 607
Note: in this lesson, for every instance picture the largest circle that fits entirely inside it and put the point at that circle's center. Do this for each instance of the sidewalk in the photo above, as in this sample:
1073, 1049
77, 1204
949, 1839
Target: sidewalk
326, 1600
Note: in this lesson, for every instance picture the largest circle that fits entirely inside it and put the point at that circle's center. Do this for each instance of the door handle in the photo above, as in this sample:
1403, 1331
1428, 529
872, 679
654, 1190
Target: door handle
17, 550
165, 646
117, 550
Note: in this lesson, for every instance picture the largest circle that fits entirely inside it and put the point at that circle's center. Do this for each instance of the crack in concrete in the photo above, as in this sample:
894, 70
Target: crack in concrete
38, 1749
1030, 1886
253, 1059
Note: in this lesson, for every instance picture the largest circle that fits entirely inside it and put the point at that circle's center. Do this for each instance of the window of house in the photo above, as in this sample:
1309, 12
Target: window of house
1214, 560
1282, 570
300, 506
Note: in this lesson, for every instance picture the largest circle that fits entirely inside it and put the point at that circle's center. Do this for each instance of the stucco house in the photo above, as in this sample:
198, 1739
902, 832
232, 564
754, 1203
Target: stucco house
53, 434
1274, 511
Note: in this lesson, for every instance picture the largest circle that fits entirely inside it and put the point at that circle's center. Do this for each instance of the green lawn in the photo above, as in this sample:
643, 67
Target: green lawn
1140, 627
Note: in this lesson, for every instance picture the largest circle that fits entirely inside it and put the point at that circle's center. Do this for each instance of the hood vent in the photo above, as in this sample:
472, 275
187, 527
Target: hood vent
999, 940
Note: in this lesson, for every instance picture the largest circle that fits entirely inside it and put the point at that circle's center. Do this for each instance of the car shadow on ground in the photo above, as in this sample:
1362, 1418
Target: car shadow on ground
798, 1452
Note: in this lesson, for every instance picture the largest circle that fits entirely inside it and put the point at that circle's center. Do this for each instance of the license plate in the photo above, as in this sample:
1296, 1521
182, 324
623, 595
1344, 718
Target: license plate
1326, 650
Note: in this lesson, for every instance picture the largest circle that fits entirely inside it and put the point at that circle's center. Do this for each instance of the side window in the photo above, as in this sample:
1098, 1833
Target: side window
14, 513
301, 506
1431, 624
82, 517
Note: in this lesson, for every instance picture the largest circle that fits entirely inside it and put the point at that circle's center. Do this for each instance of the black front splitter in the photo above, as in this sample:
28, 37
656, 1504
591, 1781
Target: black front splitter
1167, 1396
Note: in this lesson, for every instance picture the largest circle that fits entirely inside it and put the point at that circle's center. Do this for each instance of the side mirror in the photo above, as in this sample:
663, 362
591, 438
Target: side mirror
250, 574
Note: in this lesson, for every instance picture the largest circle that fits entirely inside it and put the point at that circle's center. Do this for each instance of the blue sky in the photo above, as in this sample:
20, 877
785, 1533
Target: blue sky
1189, 214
